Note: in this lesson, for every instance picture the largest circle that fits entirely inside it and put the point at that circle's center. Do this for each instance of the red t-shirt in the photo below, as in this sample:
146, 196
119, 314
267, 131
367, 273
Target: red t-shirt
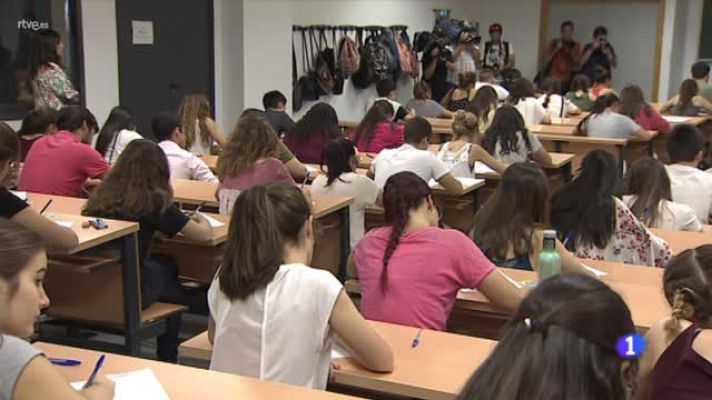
60, 164
425, 272
652, 122
386, 135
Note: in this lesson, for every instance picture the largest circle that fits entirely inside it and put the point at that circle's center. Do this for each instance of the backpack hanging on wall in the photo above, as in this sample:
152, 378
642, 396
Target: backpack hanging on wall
388, 40
297, 98
323, 63
307, 84
349, 57
337, 72
406, 56
376, 62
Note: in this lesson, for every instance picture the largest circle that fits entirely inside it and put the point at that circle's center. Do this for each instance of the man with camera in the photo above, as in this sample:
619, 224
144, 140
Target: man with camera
466, 56
563, 56
436, 62
598, 54
499, 54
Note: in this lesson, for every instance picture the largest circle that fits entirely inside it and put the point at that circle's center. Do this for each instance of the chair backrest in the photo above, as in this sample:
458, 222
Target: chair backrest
227, 198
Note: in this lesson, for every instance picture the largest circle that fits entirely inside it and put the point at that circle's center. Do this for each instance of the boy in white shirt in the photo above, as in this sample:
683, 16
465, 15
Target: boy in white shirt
487, 79
171, 139
690, 185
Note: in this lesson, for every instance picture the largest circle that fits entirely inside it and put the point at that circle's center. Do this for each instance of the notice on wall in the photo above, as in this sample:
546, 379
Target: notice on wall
142, 32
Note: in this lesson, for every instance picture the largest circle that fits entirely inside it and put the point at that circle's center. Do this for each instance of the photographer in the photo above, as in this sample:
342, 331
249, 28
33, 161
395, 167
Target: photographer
498, 54
563, 56
466, 56
598, 54
436, 62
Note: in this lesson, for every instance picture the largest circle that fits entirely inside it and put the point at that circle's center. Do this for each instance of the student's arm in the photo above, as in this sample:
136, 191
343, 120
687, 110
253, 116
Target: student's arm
642, 134
199, 170
668, 105
477, 153
296, 169
451, 184
702, 103
56, 237
215, 132
446, 114
501, 292
41, 380
362, 341
198, 229
542, 156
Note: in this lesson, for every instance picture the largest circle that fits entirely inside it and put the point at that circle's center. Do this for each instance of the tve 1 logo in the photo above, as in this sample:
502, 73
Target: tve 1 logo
32, 25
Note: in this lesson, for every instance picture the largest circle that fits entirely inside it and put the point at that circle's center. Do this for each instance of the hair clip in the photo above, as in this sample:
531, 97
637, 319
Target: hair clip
536, 325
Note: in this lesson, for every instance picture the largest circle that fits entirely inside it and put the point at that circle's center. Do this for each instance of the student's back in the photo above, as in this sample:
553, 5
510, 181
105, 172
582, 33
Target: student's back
509, 140
377, 130
605, 122
317, 128
521, 96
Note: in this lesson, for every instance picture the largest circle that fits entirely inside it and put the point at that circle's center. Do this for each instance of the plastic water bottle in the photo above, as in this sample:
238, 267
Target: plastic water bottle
549, 258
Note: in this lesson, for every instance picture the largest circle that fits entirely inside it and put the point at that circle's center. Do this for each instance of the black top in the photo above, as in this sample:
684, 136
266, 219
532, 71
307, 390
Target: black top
279, 120
10, 205
438, 81
597, 60
169, 223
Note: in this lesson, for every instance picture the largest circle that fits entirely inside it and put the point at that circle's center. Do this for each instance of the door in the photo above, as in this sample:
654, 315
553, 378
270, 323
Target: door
154, 77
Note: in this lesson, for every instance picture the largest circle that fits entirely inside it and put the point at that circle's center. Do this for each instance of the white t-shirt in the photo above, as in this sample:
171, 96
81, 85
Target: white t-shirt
692, 187
458, 162
672, 216
423, 163
532, 111
351, 184
558, 107
117, 146
502, 93
279, 333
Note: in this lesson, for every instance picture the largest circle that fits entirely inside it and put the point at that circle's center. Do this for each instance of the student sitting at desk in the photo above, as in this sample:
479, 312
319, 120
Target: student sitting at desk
461, 154
317, 128
377, 131
139, 189
598, 226
687, 102
487, 79
388, 91
410, 271
604, 121
601, 83
677, 363
117, 132
423, 104
271, 315
632, 105
36, 124
483, 106
523, 98
275, 104
509, 141
341, 179
580, 94
26, 373
248, 160
649, 198
17, 210
414, 156
561, 343
507, 227
556, 105
459, 97
172, 140
201, 132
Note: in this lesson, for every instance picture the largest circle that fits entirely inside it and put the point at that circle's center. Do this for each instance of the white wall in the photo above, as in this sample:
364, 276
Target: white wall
229, 62
681, 41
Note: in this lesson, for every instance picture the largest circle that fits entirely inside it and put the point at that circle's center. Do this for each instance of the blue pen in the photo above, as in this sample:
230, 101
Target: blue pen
64, 362
97, 367
416, 340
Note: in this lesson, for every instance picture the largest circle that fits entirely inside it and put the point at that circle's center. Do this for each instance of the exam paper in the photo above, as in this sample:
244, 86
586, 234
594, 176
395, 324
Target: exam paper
135, 385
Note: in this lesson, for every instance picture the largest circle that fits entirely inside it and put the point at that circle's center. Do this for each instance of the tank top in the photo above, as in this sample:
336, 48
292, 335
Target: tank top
458, 162
687, 110
681, 373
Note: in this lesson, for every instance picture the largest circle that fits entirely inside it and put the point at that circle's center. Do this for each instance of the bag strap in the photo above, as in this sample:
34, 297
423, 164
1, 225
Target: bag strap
294, 61
563, 101
113, 144
305, 57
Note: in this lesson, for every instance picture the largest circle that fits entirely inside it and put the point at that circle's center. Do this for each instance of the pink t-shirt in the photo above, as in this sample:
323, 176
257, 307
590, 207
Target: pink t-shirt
386, 135
425, 272
653, 122
60, 164
270, 170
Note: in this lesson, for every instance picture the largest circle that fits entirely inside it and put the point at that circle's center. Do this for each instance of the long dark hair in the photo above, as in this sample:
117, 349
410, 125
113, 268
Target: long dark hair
687, 283
9, 144
599, 106
381, 111
649, 182
506, 123
43, 50
521, 89
584, 209
38, 120
402, 192
264, 219
560, 344
550, 86
118, 120
688, 90
580, 82
339, 157
521, 196
17, 246
485, 100
632, 101
320, 120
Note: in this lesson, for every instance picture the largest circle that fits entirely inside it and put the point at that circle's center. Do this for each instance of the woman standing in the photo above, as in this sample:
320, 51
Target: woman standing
50, 85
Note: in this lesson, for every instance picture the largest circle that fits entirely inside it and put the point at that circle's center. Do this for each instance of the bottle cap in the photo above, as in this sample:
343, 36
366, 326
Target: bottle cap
549, 234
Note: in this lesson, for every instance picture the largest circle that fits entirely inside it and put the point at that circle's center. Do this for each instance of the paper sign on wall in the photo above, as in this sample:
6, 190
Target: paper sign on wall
142, 32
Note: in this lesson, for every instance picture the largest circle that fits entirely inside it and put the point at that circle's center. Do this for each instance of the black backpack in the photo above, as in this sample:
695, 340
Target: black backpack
377, 62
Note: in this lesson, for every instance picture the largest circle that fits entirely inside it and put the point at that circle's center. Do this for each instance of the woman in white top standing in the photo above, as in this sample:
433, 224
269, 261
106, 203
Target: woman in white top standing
51, 86
201, 131
461, 154
649, 197
556, 105
117, 132
521, 96
271, 315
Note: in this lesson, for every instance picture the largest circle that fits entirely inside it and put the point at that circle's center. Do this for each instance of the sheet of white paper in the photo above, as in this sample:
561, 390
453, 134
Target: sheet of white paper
311, 168
66, 224
482, 168
135, 385
432, 183
214, 223
673, 119
468, 290
20, 195
469, 182
595, 271
338, 352
142, 32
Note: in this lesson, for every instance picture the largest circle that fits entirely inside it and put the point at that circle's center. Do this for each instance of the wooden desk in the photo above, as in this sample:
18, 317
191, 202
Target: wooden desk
437, 369
210, 160
681, 241
182, 382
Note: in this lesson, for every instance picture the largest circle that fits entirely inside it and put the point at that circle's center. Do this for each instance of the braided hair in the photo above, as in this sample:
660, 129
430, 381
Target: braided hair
687, 283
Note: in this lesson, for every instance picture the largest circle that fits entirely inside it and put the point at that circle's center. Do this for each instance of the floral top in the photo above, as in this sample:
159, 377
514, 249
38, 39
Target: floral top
52, 88
631, 243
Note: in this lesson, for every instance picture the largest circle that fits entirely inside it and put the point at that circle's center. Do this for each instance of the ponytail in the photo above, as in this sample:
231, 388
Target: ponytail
599, 106
681, 310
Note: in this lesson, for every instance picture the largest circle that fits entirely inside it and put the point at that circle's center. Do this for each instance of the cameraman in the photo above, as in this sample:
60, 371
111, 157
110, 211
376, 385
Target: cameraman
436, 62
466, 56
563, 56
598, 54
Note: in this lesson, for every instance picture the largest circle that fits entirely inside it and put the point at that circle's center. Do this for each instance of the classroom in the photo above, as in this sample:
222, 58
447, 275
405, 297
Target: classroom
376, 199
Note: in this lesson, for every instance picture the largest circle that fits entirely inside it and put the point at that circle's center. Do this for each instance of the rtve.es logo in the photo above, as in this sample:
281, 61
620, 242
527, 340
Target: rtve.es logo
32, 25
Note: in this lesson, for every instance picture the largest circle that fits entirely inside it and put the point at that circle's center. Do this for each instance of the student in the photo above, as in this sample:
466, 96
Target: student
17, 210
509, 141
507, 228
248, 160
522, 97
580, 94
36, 124
410, 271
460, 154
596, 225
487, 78
423, 105
64, 163
676, 363
388, 90
604, 121
171, 139
117, 132
701, 74
341, 179
601, 83
26, 372
414, 156
51, 86
632, 105
690, 185
318, 127
650, 200
377, 130
139, 189
561, 343
483, 106
687, 102
201, 131
271, 315
556, 105
275, 105
459, 97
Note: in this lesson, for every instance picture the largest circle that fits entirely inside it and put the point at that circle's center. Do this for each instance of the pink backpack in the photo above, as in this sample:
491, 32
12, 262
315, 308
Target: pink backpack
349, 57
408, 59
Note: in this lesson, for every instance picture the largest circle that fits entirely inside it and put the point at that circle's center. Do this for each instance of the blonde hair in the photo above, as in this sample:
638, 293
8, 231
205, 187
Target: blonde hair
464, 123
194, 107
687, 283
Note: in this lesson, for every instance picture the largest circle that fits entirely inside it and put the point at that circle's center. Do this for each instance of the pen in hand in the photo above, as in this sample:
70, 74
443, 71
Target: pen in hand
95, 372
416, 340
46, 206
